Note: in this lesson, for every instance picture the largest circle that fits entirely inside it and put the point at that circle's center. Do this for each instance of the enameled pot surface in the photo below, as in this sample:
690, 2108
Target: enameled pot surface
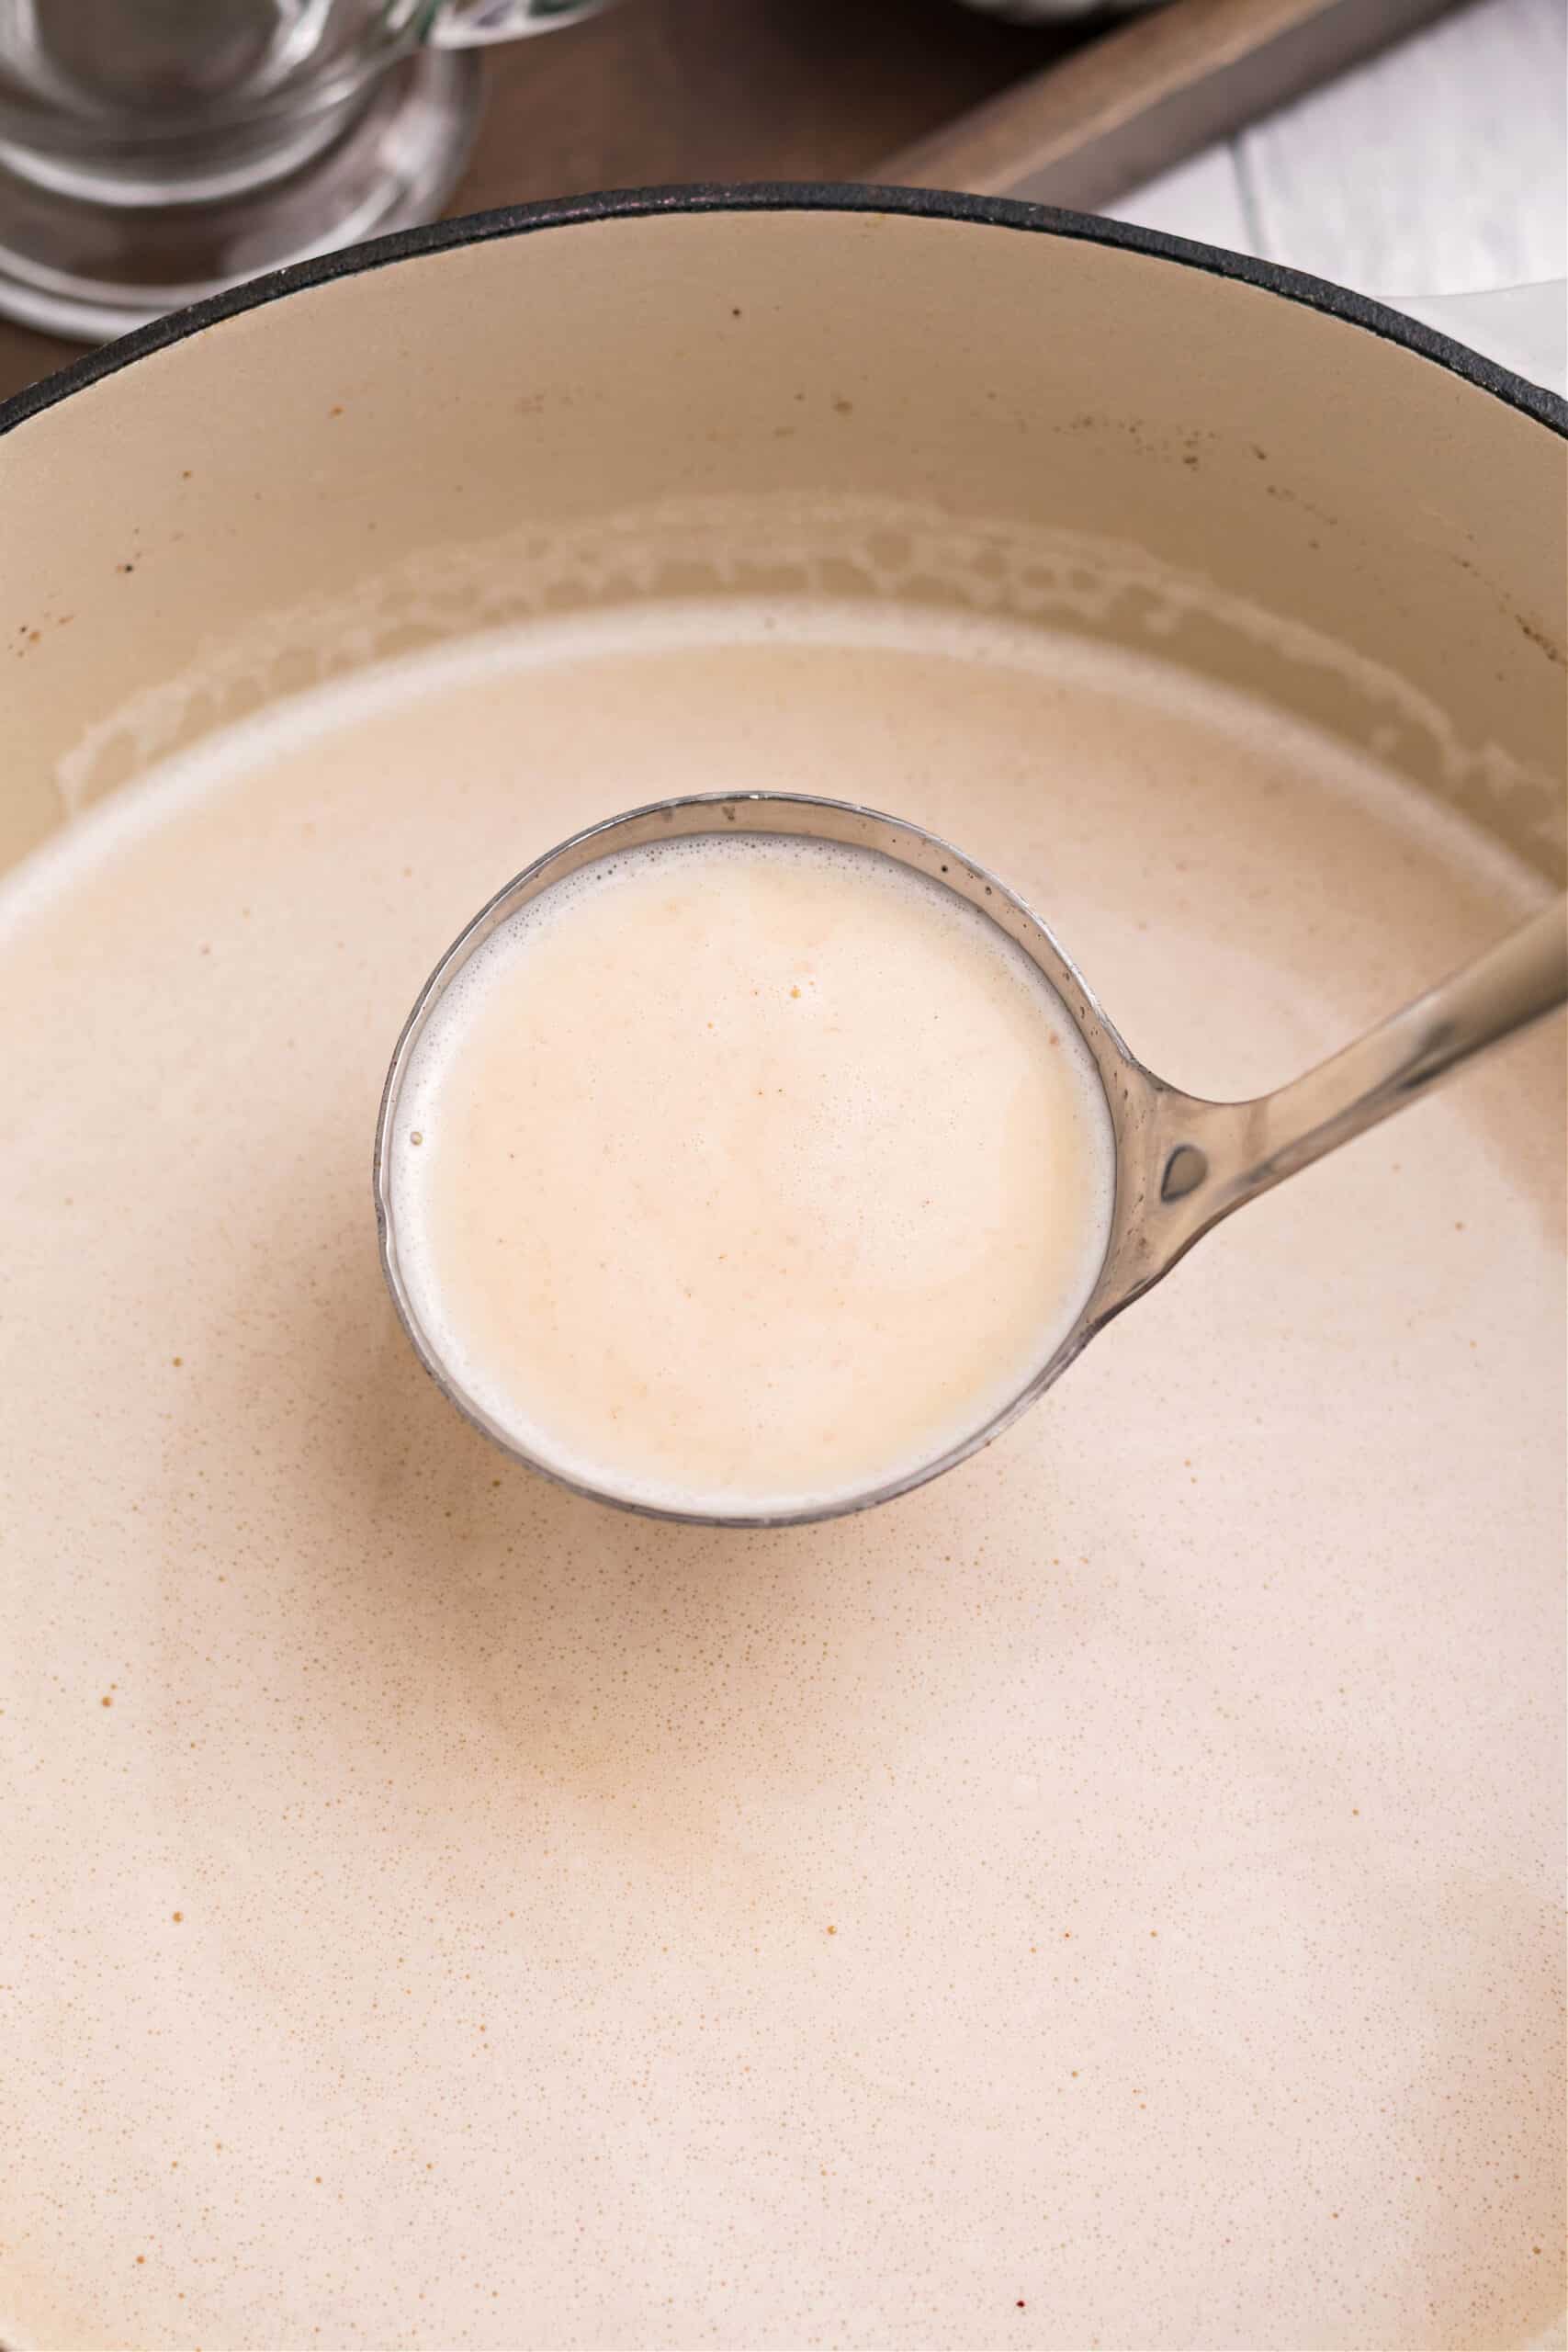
1111, 1896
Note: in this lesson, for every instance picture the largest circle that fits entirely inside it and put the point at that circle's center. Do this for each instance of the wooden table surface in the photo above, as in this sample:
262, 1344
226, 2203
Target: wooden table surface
1439, 167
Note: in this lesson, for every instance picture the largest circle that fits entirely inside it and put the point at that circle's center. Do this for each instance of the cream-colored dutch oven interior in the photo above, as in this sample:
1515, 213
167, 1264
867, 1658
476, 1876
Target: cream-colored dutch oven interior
868, 408
401, 455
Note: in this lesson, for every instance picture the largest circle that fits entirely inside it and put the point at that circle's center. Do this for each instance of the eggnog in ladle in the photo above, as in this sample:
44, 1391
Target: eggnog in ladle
746, 1175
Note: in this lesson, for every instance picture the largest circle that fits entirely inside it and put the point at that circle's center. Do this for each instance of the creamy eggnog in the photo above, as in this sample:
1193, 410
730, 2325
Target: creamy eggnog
747, 1174
1119, 1879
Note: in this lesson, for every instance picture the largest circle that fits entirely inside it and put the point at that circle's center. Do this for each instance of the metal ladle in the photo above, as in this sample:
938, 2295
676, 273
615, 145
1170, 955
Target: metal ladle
1182, 1163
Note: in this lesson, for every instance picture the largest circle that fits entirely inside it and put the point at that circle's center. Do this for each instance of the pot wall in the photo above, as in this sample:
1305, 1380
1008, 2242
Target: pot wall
192, 533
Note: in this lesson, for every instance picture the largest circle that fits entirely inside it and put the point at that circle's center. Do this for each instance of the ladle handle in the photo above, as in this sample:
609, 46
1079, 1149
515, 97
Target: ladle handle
1513, 984
1214, 1156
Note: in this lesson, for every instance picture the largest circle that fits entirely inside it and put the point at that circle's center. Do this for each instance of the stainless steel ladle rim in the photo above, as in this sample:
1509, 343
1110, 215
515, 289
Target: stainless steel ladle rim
800, 815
